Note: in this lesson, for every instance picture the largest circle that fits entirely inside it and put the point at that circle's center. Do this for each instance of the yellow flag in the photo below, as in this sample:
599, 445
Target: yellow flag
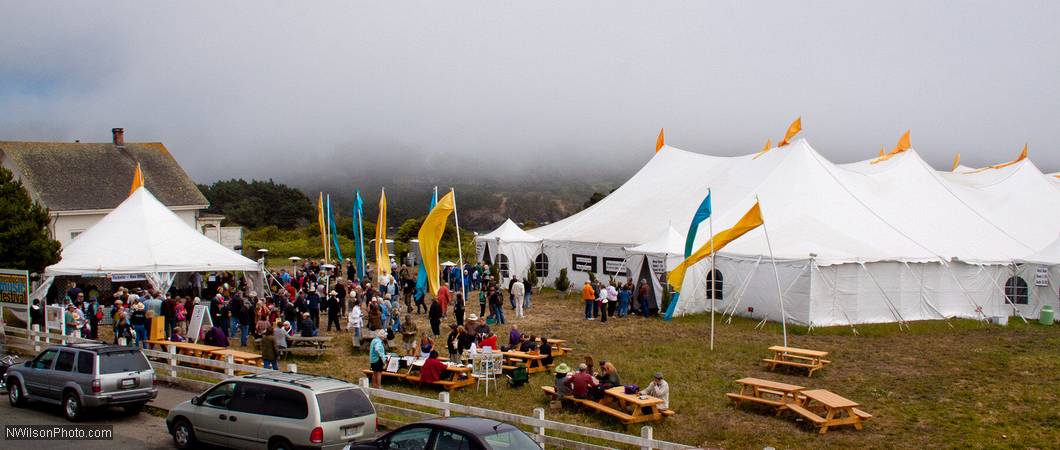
320, 221
956, 162
382, 253
660, 142
431, 234
751, 220
138, 180
793, 129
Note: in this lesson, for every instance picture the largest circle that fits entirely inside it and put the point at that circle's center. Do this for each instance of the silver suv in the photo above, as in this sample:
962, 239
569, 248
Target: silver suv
79, 376
276, 410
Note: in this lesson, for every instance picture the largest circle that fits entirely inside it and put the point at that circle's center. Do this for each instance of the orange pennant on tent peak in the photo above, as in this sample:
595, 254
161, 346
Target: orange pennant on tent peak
793, 129
660, 142
768, 147
903, 144
956, 162
138, 180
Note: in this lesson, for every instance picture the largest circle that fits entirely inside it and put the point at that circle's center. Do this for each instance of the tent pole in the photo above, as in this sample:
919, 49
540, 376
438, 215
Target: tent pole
890, 304
776, 274
924, 296
834, 300
712, 280
743, 289
978, 308
459, 247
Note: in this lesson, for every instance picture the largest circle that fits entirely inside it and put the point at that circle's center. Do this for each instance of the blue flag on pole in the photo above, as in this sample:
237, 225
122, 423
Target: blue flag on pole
702, 213
421, 275
358, 234
334, 235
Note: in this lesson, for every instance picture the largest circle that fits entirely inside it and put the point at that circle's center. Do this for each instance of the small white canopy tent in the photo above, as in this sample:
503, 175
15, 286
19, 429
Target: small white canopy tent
653, 259
513, 250
141, 235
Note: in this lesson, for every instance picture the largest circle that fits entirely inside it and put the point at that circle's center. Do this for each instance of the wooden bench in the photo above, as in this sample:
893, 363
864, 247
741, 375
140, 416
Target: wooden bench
550, 391
623, 417
812, 360
737, 398
809, 415
862, 414
668, 412
395, 375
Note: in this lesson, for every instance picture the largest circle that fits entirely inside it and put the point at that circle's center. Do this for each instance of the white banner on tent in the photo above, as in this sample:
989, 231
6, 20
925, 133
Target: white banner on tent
1041, 276
658, 265
198, 317
127, 277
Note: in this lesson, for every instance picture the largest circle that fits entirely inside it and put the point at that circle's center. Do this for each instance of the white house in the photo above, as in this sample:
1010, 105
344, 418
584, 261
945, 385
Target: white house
81, 182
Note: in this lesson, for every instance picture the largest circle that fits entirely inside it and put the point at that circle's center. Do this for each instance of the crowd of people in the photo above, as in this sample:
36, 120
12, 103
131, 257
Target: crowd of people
615, 299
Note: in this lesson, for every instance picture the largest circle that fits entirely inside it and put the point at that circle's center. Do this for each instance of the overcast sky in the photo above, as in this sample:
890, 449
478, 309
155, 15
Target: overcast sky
230, 86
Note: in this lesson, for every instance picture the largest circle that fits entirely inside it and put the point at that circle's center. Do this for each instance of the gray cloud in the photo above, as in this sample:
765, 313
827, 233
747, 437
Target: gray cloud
276, 89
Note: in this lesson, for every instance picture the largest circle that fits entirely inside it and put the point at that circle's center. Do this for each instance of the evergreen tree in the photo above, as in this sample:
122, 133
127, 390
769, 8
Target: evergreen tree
24, 239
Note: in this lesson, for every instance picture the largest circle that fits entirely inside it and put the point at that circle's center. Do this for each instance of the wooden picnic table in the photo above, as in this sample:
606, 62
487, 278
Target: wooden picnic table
770, 393
454, 377
239, 357
198, 350
559, 347
316, 345
535, 362
644, 408
837, 410
797, 357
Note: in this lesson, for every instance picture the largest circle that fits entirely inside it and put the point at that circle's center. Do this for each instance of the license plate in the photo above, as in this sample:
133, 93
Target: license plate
350, 430
128, 383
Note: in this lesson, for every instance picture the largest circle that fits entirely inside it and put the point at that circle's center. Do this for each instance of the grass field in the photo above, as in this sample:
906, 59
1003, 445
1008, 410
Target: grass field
933, 386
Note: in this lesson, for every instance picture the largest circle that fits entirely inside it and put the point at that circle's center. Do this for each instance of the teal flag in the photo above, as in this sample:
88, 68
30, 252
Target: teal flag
358, 235
703, 213
334, 235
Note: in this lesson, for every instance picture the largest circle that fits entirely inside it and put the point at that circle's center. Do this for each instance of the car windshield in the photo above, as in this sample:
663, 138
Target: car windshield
510, 440
343, 405
122, 361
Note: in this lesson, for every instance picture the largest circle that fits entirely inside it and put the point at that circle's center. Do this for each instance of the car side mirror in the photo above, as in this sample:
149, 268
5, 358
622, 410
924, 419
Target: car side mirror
27, 363
196, 400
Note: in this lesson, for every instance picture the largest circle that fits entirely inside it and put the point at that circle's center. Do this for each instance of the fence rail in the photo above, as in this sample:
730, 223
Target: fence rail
168, 365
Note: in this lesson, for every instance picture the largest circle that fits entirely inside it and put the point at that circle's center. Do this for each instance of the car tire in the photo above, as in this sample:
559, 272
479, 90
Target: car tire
134, 408
14, 393
184, 435
280, 444
72, 409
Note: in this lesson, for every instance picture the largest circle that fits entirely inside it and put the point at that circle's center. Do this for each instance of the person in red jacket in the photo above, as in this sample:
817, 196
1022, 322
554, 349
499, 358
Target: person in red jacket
432, 369
490, 341
443, 299
581, 383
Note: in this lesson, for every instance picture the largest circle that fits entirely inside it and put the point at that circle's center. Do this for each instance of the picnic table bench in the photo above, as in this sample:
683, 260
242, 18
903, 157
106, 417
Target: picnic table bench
797, 357
535, 362
313, 345
837, 410
558, 347
455, 377
239, 357
644, 410
770, 393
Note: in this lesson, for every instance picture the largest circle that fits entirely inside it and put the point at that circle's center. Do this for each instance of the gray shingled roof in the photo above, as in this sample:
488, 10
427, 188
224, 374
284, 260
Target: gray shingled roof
66, 176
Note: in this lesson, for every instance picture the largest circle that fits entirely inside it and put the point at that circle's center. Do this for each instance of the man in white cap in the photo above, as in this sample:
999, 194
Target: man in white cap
376, 357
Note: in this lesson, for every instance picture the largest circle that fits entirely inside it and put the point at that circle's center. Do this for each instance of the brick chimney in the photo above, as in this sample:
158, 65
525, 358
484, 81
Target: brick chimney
119, 136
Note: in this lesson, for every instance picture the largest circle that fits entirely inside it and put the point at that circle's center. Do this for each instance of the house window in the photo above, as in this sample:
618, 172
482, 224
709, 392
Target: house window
714, 284
541, 265
502, 265
75, 234
1016, 291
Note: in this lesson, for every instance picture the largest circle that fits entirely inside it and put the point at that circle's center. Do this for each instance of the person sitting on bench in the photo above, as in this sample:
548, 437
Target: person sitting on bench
660, 389
562, 373
581, 383
545, 349
432, 368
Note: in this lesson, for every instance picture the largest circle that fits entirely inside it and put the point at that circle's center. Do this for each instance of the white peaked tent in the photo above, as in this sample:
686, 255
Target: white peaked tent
653, 259
889, 241
1055, 178
510, 248
1041, 271
141, 235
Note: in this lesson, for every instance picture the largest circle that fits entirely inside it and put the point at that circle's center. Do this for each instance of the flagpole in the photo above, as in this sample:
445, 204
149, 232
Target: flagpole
459, 249
713, 282
327, 229
776, 274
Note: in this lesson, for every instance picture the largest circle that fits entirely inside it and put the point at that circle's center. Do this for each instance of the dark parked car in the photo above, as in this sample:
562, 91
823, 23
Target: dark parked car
79, 376
452, 433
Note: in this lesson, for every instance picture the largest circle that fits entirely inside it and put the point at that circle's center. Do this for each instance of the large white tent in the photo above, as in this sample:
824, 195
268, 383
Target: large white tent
874, 241
141, 235
510, 248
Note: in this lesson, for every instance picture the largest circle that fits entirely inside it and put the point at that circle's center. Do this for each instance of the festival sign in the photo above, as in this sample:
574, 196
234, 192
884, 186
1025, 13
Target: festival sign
583, 263
198, 317
614, 266
1041, 276
14, 288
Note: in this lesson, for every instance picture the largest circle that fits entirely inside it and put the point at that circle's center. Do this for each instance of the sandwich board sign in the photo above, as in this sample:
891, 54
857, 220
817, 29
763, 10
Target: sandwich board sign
14, 291
198, 317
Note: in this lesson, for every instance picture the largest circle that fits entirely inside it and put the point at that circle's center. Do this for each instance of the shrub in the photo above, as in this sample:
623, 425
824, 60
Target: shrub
562, 282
